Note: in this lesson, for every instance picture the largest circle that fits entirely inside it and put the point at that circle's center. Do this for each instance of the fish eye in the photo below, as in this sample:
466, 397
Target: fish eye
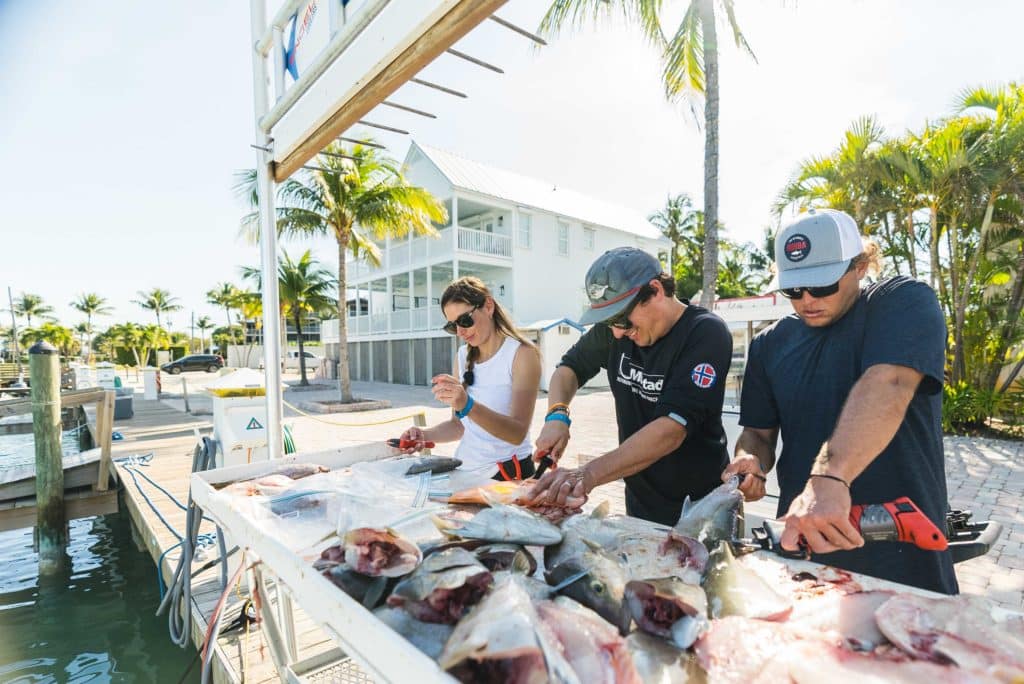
597, 587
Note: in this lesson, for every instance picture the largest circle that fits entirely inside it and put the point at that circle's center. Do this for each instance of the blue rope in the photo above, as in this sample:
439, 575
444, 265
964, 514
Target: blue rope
202, 541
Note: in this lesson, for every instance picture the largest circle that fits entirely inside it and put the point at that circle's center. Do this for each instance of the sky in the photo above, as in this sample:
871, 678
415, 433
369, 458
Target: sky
123, 123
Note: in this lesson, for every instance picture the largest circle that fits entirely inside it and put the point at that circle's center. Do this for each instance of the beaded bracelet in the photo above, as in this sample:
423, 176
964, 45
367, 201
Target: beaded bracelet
560, 417
558, 407
831, 477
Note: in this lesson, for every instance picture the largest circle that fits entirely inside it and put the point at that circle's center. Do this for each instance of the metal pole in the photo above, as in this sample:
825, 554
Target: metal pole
268, 242
51, 527
14, 334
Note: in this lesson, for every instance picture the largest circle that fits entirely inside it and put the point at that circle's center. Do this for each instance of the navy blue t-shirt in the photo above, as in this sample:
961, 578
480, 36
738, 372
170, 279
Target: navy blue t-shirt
682, 373
798, 378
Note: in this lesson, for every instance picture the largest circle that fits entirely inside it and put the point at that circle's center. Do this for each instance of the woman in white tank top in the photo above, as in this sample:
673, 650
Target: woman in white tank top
493, 388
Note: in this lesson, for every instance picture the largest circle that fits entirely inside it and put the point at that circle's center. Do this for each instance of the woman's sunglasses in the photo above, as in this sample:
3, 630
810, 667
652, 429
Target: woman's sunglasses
463, 321
816, 292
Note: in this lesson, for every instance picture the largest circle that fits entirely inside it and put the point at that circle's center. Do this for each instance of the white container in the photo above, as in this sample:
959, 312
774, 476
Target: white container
150, 383
105, 373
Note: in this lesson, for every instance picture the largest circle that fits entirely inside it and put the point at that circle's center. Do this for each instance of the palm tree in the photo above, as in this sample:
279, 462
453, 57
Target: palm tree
60, 337
157, 301
225, 295
306, 288
91, 304
29, 305
127, 336
204, 323
356, 195
84, 331
689, 71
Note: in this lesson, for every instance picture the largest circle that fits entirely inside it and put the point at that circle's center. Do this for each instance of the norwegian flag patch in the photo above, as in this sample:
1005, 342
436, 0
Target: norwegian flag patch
703, 375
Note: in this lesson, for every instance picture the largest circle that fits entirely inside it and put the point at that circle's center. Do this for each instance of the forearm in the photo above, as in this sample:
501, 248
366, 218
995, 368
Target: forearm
449, 431
756, 445
644, 447
870, 418
506, 428
562, 387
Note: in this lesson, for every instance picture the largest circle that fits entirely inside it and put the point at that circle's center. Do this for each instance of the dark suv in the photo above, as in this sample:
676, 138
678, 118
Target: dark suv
211, 363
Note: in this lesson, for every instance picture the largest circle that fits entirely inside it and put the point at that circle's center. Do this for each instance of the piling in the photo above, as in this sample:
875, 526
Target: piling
51, 526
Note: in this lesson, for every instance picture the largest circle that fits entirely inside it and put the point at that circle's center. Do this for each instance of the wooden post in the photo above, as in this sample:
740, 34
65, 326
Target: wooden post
105, 429
51, 526
420, 420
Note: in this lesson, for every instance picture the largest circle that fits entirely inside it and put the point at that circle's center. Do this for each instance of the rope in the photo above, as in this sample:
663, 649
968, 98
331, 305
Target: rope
331, 422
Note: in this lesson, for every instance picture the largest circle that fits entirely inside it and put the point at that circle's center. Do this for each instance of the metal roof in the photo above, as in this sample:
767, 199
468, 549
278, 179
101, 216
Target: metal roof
466, 174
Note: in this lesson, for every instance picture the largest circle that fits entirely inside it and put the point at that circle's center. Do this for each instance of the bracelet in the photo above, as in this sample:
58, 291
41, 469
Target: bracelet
465, 409
558, 407
560, 417
831, 477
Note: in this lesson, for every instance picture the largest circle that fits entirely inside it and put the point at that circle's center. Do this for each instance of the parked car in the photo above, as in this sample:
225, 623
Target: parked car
291, 359
211, 363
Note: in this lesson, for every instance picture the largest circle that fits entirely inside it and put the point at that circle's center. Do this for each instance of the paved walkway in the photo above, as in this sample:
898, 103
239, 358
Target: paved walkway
985, 476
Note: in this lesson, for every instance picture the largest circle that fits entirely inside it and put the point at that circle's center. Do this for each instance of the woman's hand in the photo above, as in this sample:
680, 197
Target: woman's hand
414, 434
448, 390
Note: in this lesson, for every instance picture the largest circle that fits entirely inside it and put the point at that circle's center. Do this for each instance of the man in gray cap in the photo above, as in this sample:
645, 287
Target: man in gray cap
666, 362
854, 383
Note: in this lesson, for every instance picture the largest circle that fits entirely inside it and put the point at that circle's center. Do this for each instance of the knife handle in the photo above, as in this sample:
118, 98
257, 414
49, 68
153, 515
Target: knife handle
545, 463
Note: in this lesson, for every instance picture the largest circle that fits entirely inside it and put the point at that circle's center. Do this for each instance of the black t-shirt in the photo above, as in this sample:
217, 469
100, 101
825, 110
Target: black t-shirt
683, 373
798, 377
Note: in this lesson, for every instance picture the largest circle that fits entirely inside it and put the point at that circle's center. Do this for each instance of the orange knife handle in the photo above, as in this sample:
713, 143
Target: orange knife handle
898, 520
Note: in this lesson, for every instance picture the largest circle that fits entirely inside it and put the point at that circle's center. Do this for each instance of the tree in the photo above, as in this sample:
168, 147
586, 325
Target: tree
91, 304
157, 301
29, 305
84, 332
306, 288
204, 323
225, 295
60, 337
689, 71
356, 196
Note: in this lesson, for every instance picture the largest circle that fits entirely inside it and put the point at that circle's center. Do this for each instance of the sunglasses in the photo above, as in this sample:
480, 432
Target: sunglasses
622, 322
816, 292
463, 321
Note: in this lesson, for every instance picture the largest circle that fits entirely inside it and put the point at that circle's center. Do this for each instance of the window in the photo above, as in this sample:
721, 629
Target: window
563, 239
588, 238
525, 230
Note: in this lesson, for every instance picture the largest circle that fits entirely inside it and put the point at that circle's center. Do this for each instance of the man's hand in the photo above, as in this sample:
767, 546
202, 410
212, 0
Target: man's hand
752, 479
552, 440
821, 515
562, 487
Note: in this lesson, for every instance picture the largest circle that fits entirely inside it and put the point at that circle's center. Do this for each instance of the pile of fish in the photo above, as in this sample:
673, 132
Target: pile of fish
618, 599
275, 482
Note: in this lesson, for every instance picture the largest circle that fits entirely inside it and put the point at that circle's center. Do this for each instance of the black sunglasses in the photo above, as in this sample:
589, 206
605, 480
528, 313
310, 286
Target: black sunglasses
622, 322
463, 321
816, 292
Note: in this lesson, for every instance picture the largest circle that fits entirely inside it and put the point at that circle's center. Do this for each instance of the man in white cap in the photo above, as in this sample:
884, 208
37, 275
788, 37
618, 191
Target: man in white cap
853, 381
666, 362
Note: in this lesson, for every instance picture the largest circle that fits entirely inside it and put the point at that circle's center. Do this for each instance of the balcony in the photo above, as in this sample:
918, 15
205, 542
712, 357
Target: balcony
404, 255
488, 244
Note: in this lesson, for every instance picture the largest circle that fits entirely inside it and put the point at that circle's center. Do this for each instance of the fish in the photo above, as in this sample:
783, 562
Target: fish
658, 662
669, 608
848, 618
501, 523
428, 637
502, 639
433, 464
957, 628
734, 589
369, 591
714, 518
266, 485
595, 650
380, 552
443, 587
508, 492
512, 557
602, 589
297, 471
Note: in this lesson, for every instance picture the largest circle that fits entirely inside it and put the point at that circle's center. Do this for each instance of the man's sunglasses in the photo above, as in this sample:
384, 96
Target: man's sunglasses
622, 322
463, 321
816, 292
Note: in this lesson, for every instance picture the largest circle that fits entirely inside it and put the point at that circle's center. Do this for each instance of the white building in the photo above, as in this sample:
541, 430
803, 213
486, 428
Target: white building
529, 240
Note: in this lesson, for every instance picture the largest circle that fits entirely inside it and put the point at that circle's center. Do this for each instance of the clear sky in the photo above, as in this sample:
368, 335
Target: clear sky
123, 122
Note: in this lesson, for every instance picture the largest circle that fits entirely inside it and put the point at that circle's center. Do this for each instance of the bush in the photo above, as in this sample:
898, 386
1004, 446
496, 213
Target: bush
968, 409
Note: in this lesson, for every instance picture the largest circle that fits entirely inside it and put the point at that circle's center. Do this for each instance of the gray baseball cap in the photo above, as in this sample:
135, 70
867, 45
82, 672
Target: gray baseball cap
816, 249
614, 280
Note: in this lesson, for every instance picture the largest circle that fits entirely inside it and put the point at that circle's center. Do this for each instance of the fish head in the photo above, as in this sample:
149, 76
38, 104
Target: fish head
657, 604
602, 589
513, 557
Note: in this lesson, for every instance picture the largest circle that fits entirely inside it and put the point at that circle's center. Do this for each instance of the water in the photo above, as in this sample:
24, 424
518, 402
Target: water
93, 621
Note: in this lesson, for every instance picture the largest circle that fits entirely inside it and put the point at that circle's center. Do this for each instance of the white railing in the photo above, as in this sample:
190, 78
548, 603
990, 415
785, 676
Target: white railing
420, 318
436, 319
399, 255
399, 321
378, 323
480, 242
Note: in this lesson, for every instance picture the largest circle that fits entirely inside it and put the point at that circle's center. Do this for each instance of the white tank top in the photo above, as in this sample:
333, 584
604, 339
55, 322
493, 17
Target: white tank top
492, 387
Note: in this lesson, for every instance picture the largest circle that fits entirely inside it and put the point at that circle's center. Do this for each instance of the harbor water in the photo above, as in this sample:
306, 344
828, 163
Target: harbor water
94, 620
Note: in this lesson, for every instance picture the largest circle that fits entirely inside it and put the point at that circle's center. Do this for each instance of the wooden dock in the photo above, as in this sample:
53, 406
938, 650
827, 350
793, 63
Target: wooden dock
170, 436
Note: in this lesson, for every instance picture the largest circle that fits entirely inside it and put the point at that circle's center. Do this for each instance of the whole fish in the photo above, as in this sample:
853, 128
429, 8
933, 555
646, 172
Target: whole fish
602, 589
443, 587
659, 662
501, 523
369, 591
426, 636
734, 589
433, 464
594, 649
380, 552
503, 640
716, 517
669, 608
512, 557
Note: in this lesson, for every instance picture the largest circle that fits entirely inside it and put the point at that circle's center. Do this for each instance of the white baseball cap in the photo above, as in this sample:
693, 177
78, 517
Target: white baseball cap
816, 249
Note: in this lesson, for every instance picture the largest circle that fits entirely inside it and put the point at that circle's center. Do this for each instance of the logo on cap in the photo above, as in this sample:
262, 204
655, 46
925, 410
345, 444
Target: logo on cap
703, 375
797, 247
596, 291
